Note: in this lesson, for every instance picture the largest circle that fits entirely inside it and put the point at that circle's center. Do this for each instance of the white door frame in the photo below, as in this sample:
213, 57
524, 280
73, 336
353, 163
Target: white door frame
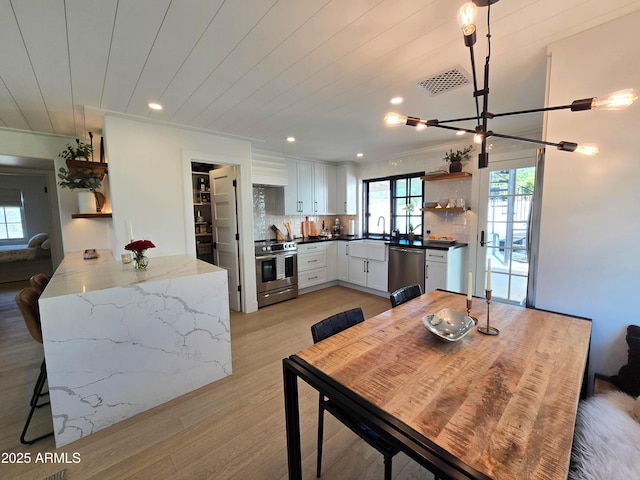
524, 158
245, 219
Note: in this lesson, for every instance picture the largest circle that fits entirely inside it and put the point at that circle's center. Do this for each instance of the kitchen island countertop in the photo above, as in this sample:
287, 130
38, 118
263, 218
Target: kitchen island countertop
118, 342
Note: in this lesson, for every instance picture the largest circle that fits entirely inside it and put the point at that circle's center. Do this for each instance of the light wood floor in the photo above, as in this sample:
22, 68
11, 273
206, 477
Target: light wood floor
232, 429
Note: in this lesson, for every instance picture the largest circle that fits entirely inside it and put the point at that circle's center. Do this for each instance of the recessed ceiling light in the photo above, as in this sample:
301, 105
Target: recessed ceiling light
291, 139
359, 154
396, 100
460, 132
155, 106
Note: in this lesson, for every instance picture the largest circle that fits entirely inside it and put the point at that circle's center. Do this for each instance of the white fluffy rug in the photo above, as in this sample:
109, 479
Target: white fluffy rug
607, 439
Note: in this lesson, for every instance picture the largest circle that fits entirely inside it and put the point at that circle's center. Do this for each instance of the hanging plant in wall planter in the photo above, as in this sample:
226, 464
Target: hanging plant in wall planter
87, 182
455, 159
77, 158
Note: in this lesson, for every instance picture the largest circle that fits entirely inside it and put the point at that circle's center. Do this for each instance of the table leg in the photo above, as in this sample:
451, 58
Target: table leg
292, 417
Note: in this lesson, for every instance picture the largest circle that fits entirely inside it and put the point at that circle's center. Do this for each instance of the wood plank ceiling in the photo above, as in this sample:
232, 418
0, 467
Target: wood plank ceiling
320, 70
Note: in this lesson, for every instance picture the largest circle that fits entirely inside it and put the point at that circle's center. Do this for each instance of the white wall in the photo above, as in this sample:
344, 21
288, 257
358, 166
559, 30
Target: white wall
589, 264
150, 186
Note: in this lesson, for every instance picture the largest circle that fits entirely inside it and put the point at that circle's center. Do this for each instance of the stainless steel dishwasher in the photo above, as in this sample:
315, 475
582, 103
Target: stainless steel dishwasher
406, 267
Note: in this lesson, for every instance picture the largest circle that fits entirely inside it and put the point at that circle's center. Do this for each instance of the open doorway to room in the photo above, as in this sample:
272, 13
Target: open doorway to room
216, 221
29, 225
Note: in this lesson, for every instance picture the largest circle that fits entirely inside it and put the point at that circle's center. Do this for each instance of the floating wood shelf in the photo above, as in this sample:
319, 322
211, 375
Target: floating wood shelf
446, 176
90, 215
452, 209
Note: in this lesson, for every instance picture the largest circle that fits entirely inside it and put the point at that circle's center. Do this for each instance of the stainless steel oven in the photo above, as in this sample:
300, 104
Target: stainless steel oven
276, 271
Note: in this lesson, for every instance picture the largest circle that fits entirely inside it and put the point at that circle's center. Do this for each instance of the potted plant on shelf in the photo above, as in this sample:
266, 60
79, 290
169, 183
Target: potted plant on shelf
87, 182
77, 158
81, 150
455, 159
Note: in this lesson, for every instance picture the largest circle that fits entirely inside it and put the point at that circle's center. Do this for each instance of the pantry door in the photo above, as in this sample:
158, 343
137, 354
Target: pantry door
224, 225
504, 209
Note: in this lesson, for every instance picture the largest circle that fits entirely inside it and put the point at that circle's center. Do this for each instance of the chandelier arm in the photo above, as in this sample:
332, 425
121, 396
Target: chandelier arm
529, 140
448, 127
533, 110
475, 83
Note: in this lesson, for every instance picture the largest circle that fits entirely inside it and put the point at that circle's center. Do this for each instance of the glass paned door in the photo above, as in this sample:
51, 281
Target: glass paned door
504, 227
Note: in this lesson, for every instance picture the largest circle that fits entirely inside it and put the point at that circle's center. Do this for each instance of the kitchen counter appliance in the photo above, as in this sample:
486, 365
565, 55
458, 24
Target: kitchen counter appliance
276, 271
406, 267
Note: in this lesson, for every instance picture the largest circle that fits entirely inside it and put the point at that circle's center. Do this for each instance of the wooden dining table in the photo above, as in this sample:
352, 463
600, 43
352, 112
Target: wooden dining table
483, 407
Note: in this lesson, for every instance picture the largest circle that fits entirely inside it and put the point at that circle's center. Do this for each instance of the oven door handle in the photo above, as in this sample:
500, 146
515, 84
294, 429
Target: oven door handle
271, 257
266, 257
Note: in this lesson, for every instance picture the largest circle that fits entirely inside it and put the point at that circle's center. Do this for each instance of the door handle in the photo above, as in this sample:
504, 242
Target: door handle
426, 271
482, 242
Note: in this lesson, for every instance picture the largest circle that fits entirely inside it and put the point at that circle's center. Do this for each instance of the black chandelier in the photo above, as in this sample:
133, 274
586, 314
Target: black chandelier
466, 20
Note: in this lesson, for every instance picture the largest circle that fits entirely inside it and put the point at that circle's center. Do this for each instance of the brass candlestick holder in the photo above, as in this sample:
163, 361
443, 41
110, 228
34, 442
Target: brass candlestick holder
469, 303
488, 329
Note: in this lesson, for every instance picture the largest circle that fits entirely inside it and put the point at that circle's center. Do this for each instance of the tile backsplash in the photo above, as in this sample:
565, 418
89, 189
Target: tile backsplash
267, 212
456, 224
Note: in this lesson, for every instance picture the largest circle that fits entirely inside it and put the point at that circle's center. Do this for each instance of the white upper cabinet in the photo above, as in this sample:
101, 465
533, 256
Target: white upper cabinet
307, 191
320, 189
346, 190
317, 188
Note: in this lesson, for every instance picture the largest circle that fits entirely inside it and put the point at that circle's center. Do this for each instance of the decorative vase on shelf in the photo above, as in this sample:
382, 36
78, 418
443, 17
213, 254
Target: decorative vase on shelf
86, 201
140, 261
455, 166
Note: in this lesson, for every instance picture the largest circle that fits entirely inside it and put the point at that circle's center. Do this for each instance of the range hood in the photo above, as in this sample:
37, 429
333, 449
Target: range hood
268, 170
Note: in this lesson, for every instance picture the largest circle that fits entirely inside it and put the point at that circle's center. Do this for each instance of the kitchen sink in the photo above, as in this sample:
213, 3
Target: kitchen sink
368, 248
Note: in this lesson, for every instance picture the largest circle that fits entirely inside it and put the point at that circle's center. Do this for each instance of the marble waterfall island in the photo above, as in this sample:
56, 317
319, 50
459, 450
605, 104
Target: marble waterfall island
118, 342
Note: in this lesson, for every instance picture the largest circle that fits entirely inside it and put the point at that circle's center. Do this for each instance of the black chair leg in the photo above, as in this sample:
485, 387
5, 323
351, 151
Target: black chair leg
37, 393
387, 467
320, 434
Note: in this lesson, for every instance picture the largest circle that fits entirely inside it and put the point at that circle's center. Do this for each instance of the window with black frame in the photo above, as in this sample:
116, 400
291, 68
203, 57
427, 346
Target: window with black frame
394, 203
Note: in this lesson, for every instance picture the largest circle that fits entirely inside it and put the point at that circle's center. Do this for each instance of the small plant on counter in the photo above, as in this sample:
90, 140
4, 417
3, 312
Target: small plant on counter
139, 247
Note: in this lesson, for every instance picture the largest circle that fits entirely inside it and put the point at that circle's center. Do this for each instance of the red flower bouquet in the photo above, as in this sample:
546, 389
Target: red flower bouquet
138, 247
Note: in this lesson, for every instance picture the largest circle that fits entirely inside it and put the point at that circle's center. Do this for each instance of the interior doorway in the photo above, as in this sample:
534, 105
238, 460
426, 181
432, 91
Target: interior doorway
506, 196
216, 222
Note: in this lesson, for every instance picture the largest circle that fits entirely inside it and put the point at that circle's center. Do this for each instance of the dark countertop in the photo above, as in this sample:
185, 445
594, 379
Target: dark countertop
426, 244
402, 243
348, 238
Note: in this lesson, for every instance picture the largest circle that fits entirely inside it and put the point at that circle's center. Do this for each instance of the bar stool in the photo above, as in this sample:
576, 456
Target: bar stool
27, 300
38, 282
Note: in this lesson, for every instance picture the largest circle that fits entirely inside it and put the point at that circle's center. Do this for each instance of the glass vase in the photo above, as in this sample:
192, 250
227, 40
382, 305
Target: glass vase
140, 262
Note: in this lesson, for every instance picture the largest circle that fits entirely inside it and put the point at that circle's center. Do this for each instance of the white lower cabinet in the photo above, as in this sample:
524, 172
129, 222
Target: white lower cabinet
312, 264
368, 272
342, 260
332, 257
443, 269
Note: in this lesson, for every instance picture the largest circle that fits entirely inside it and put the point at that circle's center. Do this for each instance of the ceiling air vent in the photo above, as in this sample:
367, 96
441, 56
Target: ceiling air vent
443, 82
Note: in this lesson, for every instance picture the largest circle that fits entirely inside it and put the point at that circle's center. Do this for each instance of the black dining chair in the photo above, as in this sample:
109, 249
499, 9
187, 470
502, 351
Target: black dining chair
324, 329
27, 300
404, 294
